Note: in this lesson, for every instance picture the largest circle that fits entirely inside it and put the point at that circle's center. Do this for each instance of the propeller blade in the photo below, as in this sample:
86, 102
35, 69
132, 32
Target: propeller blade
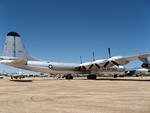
84, 67
109, 52
97, 66
115, 63
106, 64
91, 66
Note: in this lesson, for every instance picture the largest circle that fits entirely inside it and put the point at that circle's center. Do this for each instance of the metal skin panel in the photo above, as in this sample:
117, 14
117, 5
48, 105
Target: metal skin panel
16, 55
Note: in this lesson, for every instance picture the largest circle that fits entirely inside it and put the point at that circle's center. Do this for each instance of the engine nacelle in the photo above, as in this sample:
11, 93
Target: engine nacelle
144, 65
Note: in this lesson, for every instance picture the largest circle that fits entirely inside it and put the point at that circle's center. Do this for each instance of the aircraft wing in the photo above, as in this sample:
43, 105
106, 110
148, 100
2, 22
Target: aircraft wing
92, 65
113, 61
125, 60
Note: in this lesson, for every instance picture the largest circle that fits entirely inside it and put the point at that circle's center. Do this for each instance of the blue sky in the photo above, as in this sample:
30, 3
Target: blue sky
62, 30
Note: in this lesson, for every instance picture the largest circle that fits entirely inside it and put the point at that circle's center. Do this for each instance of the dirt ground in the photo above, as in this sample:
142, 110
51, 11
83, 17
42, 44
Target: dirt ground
45, 95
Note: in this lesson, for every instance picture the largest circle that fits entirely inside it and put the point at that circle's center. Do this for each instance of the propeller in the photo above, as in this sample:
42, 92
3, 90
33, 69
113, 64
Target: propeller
111, 61
90, 67
81, 68
94, 64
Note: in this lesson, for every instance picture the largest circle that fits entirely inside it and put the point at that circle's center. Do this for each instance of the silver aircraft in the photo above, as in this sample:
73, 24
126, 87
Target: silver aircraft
16, 55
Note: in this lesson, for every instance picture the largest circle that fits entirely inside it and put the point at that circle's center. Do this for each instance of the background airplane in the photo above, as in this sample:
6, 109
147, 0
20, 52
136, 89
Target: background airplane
137, 72
16, 55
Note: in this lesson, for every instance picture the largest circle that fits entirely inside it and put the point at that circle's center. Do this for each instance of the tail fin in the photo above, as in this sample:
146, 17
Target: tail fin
14, 47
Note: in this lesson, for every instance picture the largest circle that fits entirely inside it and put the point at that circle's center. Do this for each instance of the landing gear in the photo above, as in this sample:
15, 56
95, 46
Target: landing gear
15, 77
115, 75
91, 77
68, 77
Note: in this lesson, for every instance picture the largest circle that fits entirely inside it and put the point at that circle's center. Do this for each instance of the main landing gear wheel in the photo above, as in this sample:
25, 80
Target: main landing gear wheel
115, 75
91, 77
69, 76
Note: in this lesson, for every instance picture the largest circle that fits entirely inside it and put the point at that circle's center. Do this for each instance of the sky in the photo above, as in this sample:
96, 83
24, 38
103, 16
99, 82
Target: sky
64, 30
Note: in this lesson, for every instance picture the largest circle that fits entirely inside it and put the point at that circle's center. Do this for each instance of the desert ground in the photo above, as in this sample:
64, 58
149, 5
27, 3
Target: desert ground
45, 95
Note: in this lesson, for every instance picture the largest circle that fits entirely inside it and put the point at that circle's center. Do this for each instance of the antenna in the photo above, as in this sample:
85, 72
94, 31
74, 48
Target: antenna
93, 56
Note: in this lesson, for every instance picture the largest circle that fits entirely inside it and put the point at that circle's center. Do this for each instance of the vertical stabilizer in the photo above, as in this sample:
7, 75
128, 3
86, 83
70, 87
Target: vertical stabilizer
14, 47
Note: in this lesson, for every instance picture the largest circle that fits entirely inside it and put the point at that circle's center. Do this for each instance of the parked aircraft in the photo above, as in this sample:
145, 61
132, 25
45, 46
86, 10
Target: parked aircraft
17, 75
16, 55
137, 72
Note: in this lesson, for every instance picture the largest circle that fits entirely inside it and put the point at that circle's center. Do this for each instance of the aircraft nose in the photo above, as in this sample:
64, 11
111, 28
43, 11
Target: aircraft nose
13, 34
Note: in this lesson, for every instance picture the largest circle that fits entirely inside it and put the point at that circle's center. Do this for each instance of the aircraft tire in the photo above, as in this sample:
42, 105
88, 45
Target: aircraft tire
68, 77
115, 75
91, 77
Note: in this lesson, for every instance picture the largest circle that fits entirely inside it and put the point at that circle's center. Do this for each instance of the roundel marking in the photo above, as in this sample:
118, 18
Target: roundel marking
50, 66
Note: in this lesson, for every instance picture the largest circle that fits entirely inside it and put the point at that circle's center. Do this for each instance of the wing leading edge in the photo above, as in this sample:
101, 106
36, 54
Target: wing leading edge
113, 61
